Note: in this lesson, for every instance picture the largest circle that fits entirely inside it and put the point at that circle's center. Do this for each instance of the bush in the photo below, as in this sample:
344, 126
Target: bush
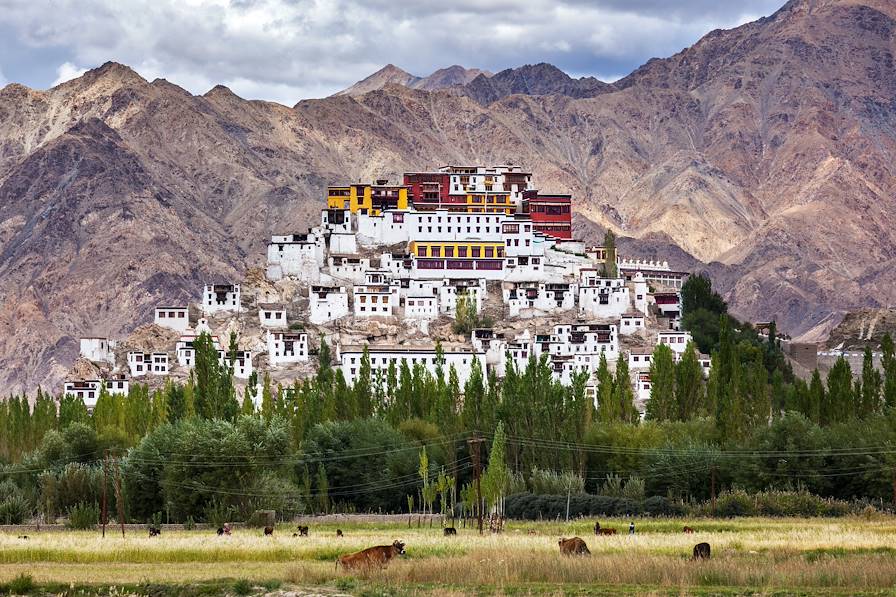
14, 510
217, 513
83, 516
20, 585
800, 503
262, 518
528, 506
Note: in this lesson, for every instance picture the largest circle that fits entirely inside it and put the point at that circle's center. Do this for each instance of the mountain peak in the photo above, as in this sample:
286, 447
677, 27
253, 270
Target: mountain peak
388, 74
112, 72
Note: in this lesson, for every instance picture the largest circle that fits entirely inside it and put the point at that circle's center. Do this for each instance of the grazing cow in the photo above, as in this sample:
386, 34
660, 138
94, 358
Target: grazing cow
339, 532
688, 530
605, 531
268, 531
573, 547
372, 556
449, 531
701, 551
154, 532
532, 532
302, 531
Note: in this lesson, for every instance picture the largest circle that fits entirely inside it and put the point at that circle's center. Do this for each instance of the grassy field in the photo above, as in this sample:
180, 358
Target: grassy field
844, 556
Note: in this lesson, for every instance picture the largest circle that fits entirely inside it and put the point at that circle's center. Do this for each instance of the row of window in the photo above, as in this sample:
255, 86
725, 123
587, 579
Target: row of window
474, 252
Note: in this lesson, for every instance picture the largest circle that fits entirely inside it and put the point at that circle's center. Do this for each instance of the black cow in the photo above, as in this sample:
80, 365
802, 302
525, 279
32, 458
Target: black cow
339, 532
701, 551
449, 531
154, 532
268, 531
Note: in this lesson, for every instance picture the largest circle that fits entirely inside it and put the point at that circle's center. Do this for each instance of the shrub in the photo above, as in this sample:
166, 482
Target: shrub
83, 516
20, 585
774, 503
189, 524
217, 513
528, 506
262, 518
14, 510
242, 587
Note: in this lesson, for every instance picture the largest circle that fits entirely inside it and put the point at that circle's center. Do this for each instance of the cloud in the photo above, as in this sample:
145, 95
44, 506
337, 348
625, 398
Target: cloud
66, 72
286, 50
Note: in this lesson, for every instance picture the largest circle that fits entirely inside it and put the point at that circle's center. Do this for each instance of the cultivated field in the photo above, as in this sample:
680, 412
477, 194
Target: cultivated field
844, 556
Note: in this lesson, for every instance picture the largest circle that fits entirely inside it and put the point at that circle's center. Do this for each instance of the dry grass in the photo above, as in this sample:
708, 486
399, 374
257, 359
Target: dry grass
846, 555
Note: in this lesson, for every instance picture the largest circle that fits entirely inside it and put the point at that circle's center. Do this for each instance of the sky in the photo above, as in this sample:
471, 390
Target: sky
288, 50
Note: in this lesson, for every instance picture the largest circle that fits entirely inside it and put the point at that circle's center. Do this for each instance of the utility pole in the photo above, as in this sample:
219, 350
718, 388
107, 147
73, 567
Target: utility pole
105, 514
118, 499
475, 442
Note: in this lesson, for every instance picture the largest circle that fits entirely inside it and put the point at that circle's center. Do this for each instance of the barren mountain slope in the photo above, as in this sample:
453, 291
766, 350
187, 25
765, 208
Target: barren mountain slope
765, 152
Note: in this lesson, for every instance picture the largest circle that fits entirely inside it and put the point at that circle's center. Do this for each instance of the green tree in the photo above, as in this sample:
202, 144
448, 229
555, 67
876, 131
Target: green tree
838, 404
609, 269
888, 362
663, 405
689, 392
871, 385
623, 395
606, 407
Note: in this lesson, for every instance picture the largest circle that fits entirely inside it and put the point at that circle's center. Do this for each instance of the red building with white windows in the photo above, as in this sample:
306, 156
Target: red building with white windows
551, 214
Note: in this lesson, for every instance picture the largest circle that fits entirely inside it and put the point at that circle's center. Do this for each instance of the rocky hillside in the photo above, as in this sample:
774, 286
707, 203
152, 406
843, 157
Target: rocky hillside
392, 75
762, 154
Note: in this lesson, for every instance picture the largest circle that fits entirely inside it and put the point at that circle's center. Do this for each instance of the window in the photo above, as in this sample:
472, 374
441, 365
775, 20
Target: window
476, 251
489, 252
449, 251
462, 251
363, 299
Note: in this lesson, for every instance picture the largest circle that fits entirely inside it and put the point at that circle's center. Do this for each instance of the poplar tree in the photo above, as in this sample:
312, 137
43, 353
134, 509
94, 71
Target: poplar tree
606, 406
871, 385
267, 398
623, 394
363, 388
729, 405
662, 405
609, 269
888, 362
816, 398
689, 391
474, 415
838, 405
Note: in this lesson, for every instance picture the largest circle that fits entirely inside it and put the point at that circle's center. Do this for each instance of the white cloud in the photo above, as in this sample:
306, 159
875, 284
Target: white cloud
286, 50
66, 72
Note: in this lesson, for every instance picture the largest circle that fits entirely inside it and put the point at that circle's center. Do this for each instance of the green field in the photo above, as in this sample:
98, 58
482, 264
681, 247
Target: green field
844, 556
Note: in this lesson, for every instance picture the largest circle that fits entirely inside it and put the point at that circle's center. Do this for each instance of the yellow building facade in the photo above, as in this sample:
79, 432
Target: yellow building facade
366, 198
457, 250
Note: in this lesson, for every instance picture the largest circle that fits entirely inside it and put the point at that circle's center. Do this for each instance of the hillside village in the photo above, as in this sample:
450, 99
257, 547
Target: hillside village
473, 258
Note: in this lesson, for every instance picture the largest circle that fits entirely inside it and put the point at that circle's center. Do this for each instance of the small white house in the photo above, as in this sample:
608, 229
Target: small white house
242, 363
141, 363
86, 390
287, 347
327, 303
98, 350
348, 268
373, 301
639, 359
535, 298
118, 385
173, 318
221, 297
641, 291
272, 315
186, 353
605, 298
452, 289
421, 307
632, 323
296, 256
677, 341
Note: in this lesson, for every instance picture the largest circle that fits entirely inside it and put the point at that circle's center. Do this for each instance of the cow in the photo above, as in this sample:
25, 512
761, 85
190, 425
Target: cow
338, 533
154, 532
23, 537
573, 547
689, 530
372, 556
268, 531
302, 531
701, 551
605, 531
449, 531
532, 532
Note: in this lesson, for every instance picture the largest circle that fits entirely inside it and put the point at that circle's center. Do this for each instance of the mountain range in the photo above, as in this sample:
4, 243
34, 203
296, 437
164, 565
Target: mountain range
762, 154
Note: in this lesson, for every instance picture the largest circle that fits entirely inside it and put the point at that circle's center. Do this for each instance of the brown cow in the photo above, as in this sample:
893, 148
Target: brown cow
606, 531
688, 530
372, 556
339, 532
268, 531
701, 551
573, 547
